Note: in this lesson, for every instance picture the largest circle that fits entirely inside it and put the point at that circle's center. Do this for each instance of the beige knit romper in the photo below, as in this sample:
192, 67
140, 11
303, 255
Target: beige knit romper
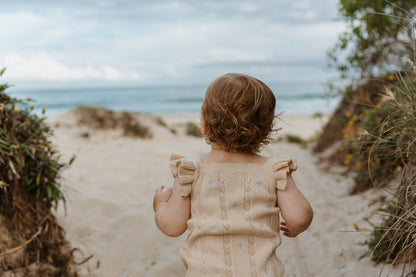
234, 224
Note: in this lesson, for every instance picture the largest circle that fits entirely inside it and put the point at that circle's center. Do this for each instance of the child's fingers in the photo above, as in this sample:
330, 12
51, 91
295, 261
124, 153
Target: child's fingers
289, 234
163, 195
284, 229
160, 189
286, 232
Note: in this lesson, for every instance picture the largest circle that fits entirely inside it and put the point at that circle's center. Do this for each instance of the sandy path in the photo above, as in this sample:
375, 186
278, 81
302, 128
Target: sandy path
111, 185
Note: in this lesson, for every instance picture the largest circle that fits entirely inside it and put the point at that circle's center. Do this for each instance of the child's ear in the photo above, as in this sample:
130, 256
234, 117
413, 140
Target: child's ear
205, 128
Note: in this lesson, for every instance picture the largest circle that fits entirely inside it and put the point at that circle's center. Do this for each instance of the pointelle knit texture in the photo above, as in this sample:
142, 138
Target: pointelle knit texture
234, 224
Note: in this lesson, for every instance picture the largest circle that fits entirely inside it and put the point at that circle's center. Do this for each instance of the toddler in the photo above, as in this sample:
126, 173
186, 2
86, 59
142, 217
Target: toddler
230, 198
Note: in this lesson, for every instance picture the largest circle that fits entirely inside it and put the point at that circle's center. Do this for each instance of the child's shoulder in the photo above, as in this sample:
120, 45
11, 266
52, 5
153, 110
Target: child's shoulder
179, 163
186, 170
281, 167
274, 162
279, 162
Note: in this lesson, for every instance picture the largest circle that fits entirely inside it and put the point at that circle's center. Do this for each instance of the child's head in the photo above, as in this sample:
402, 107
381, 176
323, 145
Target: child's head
238, 111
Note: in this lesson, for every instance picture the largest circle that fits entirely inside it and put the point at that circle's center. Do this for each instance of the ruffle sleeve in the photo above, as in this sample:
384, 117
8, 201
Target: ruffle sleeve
280, 170
186, 170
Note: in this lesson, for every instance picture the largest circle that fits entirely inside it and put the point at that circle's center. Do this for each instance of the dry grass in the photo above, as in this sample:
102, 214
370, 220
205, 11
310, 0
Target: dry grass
361, 117
376, 125
390, 145
394, 240
101, 118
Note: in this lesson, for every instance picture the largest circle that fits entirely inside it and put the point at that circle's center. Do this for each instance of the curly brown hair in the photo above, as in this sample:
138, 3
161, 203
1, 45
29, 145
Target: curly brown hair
238, 111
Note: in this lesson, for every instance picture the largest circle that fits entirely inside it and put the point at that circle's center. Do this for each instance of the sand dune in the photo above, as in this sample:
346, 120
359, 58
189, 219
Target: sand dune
111, 184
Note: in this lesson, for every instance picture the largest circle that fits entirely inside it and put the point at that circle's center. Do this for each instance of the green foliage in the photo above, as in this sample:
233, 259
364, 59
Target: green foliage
394, 239
385, 145
378, 39
377, 147
376, 128
132, 126
27, 158
298, 140
332, 131
29, 188
96, 117
379, 127
378, 242
193, 129
391, 128
101, 118
3, 86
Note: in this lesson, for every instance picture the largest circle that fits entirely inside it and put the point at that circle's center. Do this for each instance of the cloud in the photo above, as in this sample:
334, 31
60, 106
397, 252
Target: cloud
155, 41
43, 67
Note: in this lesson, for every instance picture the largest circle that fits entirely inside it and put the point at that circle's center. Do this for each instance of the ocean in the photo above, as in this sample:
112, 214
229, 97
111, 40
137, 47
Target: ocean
297, 98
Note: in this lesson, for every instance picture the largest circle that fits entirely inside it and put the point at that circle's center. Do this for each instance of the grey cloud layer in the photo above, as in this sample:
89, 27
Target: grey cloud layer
171, 40
285, 11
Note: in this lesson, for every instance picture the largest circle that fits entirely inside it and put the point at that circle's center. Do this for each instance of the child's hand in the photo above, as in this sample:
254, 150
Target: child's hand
286, 232
161, 196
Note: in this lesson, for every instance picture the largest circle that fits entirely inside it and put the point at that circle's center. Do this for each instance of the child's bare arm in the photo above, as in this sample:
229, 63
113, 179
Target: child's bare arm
295, 209
171, 210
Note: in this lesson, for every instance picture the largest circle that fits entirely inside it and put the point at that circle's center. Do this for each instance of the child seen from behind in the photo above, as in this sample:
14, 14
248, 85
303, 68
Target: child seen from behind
230, 198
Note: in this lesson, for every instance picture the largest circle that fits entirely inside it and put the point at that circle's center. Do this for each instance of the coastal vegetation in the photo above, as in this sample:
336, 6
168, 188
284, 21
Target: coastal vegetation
297, 139
192, 129
372, 132
32, 243
101, 118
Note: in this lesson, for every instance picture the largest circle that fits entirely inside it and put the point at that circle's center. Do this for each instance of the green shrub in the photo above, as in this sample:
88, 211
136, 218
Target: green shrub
29, 188
101, 118
297, 139
132, 126
193, 129
394, 240
392, 147
96, 117
332, 131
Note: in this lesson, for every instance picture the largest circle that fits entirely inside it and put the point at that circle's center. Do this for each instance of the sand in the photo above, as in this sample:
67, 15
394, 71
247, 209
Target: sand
110, 188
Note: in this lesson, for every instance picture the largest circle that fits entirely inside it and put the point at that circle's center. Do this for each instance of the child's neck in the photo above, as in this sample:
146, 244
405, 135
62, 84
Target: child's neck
218, 154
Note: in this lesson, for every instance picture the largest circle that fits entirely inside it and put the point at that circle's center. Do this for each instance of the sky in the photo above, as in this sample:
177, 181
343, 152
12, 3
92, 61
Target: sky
147, 42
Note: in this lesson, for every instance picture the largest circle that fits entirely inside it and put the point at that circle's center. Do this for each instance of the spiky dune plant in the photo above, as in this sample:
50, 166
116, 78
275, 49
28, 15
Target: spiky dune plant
394, 240
385, 140
31, 241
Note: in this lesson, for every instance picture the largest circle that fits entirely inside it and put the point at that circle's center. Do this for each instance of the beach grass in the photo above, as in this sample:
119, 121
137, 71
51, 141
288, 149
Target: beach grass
32, 243
374, 129
102, 118
297, 139
391, 149
354, 128
193, 129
